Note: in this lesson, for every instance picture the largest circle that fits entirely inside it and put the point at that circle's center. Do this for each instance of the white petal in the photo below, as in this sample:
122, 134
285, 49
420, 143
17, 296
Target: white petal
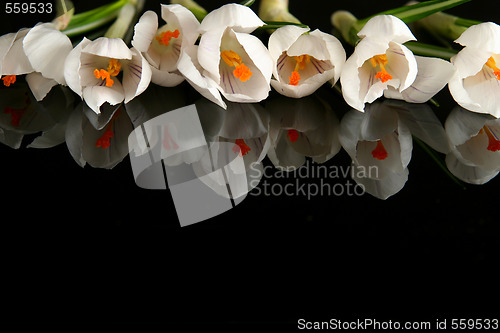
281, 40
182, 17
350, 82
381, 188
469, 61
401, 64
484, 89
108, 47
6, 42
258, 53
165, 79
14, 61
336, 51
207, 88
95, 96
433, 75
209, 52
387, 28
145, 31
136, 76
240, 18
483, 36
72, 67
469, 174
39, 85
47, 49
461, 125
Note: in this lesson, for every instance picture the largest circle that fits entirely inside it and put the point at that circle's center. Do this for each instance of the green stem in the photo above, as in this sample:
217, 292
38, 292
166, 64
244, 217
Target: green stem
277, 24
96, 13
439, 162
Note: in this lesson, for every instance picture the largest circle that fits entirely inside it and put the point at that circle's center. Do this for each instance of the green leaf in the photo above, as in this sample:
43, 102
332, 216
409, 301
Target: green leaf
428, 50
278, 24
418, 11
247, 3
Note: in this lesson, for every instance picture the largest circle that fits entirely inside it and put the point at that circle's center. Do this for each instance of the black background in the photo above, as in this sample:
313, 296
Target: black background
87, 244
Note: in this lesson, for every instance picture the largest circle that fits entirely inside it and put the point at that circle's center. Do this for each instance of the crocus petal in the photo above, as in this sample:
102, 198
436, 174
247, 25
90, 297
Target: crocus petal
484, 36
14, 61
471, 174
433, 75
182, 17
206, 87
209, 52
47, 49
240, 18
281, 40
165, 79
145, 31
387, 28
95, 96
337, 55
136, 75
39, 85
6, 42
461, 125
382, 188
108, 47
72, 67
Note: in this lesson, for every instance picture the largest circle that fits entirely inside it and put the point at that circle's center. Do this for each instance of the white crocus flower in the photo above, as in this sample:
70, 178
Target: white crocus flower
475, 85
303, 62
379, 61
238, 63
475, 146
39, 52
92, 71
163, 47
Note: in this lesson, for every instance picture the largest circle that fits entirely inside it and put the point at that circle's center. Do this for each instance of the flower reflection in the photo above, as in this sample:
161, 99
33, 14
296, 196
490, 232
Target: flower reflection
475, 146
102, 147
299, 128
381, 139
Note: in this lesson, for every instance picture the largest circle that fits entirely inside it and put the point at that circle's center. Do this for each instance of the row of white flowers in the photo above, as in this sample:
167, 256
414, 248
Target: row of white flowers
229, 62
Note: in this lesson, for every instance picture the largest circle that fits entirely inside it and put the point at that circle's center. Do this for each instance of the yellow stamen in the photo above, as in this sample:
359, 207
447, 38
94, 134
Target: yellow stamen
8, 80
165, 37
381, 61
492, 64
113, 69
300, 63
232, 59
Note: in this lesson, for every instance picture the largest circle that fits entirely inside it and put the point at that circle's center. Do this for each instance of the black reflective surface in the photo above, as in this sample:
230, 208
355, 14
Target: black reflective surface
427, 252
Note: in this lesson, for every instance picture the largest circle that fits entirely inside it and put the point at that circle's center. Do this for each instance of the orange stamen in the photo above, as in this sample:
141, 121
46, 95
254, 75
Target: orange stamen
104, 140
493, 142
232, 59
294, 79
379, 152
240, 147
300, 63
242, 72
8, 80
165, 37
381, 61
492, 64
113, 69
292, 135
